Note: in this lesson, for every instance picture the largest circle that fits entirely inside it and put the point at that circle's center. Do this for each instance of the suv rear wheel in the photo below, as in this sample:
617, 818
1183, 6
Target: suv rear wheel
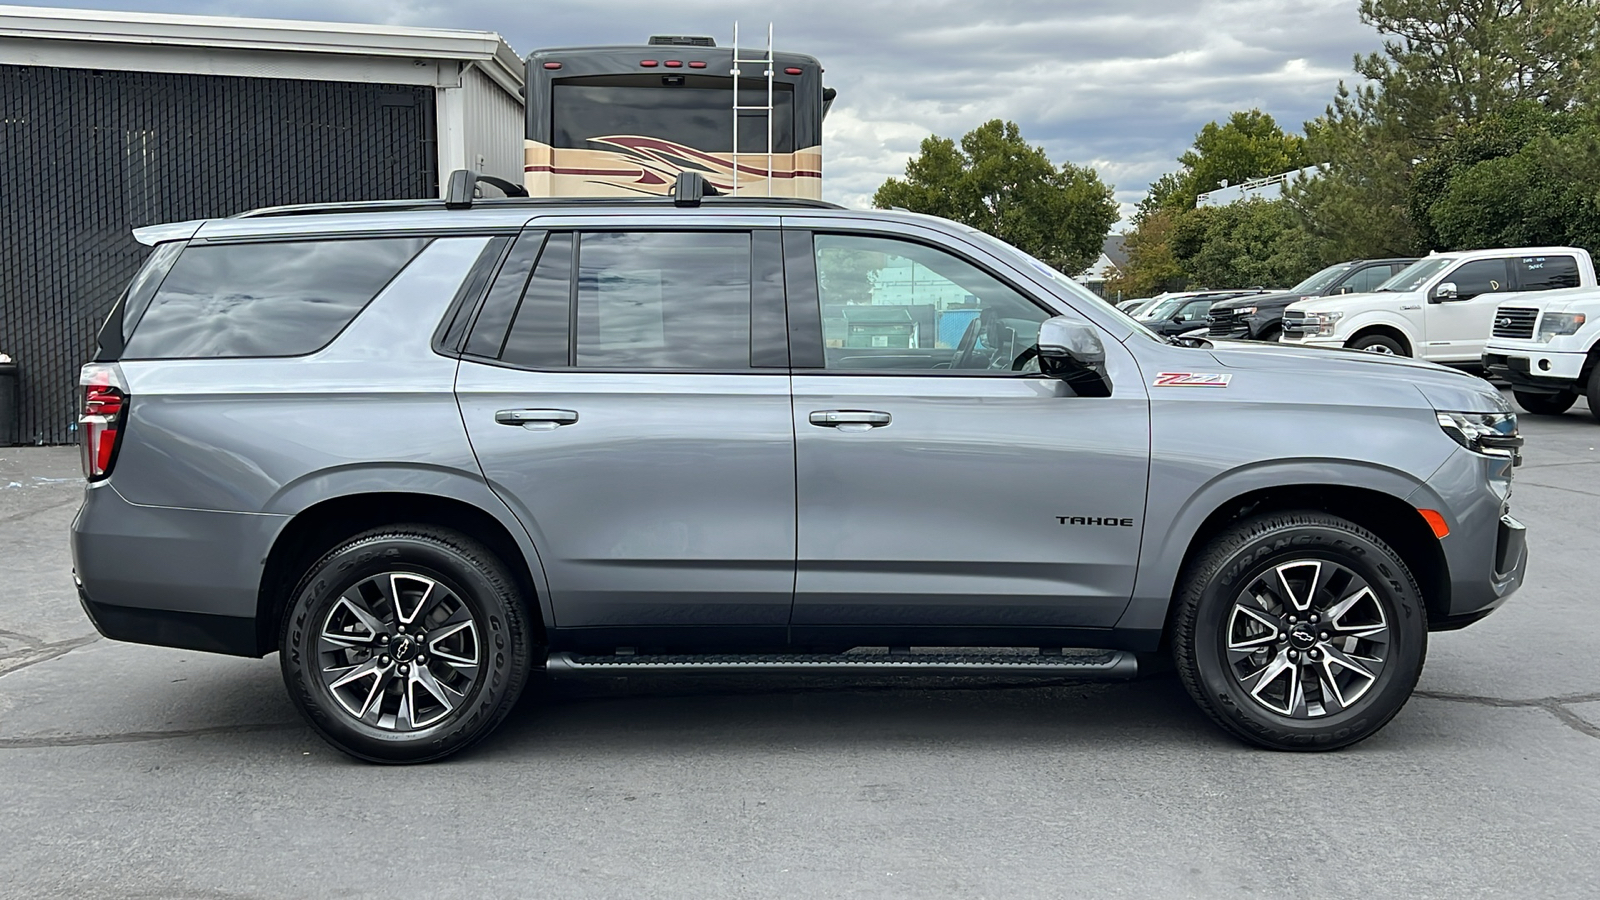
1299, 631
405, 644
1545, 404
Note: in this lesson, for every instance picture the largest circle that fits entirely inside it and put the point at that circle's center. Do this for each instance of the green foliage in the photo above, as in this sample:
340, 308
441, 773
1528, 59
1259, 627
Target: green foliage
1250, 145
1445, 67
1253, 243
997, 182
1151, 268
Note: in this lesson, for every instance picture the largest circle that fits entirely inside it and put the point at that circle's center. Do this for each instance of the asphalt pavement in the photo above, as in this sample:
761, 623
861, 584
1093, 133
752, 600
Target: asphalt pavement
129, 771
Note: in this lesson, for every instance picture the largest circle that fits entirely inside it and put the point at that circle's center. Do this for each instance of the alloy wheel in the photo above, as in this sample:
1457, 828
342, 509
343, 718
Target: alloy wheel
1306, 639
399, 651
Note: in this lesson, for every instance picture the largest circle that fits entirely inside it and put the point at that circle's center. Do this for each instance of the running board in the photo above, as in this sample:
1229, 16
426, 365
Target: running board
1096, 665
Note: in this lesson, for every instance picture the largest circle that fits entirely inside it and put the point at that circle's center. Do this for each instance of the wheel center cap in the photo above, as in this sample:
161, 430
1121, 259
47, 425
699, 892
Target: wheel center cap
404, 648
1302, 636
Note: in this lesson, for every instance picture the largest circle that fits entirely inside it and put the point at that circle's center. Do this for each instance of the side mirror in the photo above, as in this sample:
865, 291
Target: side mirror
1071, 350
1345, 289
1445, 291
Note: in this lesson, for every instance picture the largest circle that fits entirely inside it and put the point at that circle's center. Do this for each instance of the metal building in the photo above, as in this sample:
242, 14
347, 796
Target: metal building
113, 120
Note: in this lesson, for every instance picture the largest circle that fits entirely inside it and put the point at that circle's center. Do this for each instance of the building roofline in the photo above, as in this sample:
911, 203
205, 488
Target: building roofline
485, 48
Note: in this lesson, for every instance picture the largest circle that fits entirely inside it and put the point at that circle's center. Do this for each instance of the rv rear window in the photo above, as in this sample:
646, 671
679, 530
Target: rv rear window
277, 299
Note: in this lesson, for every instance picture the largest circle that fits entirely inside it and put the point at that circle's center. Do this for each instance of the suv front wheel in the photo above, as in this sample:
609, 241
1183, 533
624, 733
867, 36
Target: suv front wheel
405, 644
1299, 631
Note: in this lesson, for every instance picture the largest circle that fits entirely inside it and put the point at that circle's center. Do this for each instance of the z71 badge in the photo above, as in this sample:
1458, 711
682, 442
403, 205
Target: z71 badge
1191, 379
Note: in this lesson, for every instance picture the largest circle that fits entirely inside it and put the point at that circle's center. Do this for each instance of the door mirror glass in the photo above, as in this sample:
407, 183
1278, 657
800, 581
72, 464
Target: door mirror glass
1071, 350
1446, 291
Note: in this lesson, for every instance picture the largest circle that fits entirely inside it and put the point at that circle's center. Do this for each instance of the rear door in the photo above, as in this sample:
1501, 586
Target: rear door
943, 484
625, 387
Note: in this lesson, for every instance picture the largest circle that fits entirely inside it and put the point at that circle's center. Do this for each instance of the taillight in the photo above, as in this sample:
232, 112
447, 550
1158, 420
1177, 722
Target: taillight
105, 403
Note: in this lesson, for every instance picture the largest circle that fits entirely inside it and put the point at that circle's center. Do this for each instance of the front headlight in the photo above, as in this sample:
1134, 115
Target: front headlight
1245, 310
1492, 434
1324, 321
1559, 323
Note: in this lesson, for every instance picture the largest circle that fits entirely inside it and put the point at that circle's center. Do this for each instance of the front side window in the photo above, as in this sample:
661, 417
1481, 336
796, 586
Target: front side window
276, 299
899, 305
1481, 276
1544, 273
1366, 280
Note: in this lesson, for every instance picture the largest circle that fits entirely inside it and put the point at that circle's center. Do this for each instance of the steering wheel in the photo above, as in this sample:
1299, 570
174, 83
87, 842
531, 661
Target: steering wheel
968, 343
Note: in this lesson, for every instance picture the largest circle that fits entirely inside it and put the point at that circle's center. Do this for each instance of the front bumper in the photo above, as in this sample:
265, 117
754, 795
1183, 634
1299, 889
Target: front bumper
172, 577
1486, 551
1540, 371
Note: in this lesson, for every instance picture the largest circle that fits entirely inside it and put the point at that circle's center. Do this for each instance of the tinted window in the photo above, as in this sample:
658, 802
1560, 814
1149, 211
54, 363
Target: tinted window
1482, 276
697, 115
539, 336
280, 299
143, 287
1543, 273
890, 304
1195, 310
489, 331
664, 300
1366, 280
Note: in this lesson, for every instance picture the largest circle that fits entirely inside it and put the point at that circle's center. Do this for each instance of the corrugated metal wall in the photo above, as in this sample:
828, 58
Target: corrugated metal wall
494, 126
89, 155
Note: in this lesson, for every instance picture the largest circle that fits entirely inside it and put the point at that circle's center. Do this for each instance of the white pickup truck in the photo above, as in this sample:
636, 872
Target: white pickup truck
1441, 308
1547, 346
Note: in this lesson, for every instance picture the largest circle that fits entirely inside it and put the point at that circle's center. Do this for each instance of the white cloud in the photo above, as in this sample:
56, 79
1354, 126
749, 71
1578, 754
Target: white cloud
1122, 85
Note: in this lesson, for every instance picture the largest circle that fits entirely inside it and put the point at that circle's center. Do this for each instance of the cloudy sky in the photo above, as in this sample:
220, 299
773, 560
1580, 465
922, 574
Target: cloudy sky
1121, 85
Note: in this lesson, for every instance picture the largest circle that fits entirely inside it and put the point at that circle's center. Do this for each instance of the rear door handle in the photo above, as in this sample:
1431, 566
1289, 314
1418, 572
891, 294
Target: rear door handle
537, 419
833, 418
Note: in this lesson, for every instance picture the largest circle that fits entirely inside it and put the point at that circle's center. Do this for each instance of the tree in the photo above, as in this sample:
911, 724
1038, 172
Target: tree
1151, 268
1249, 145
1252, 243
998, 183
1445, 65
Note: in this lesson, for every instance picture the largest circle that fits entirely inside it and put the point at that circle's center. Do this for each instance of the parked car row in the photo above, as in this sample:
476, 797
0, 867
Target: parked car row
1530, 316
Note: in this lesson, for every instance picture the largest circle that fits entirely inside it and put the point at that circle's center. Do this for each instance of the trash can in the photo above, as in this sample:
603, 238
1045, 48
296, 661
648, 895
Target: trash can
10, 401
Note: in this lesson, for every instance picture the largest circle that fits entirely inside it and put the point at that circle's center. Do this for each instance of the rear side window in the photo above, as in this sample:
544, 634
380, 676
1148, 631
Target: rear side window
1544, 273
277, 299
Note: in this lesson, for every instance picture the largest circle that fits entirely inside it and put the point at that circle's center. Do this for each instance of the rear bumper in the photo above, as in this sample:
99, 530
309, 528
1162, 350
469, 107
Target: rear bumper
172, 577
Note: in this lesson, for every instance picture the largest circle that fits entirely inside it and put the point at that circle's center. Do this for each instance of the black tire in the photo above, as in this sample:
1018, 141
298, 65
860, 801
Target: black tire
1204, 623
1593, 393
1377, 343
1545, 404
1272, 334
468, 582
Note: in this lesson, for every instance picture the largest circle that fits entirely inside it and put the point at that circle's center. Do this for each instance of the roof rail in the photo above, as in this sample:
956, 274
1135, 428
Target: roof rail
690, 190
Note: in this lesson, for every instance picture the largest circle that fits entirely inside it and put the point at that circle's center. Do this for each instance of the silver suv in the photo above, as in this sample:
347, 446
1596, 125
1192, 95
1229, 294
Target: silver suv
427, 449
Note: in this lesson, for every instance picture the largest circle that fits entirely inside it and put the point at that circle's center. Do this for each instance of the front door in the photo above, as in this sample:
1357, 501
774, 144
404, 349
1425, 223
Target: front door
631, 406
947, 492
1457, 330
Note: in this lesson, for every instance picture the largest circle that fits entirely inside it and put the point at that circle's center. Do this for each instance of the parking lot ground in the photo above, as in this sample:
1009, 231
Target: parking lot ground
130, 771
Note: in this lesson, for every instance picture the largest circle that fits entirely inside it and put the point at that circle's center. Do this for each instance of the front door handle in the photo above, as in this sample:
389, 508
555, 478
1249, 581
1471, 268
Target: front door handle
537, 419
833, 418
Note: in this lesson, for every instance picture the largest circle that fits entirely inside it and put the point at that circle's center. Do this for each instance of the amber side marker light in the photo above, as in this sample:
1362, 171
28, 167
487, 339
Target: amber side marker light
1436, 522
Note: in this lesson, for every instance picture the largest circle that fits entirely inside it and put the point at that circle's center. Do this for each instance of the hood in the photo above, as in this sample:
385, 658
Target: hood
1444, 388
1263, 301
1322, 302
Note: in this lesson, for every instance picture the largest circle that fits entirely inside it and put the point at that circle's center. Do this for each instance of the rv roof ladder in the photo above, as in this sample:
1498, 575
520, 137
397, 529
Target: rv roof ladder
768, 61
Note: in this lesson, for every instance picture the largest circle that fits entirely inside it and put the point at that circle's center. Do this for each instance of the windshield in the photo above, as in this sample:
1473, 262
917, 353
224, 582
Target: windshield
1165, 308
1074, 289
1416, 275
696, 116
1321, 281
